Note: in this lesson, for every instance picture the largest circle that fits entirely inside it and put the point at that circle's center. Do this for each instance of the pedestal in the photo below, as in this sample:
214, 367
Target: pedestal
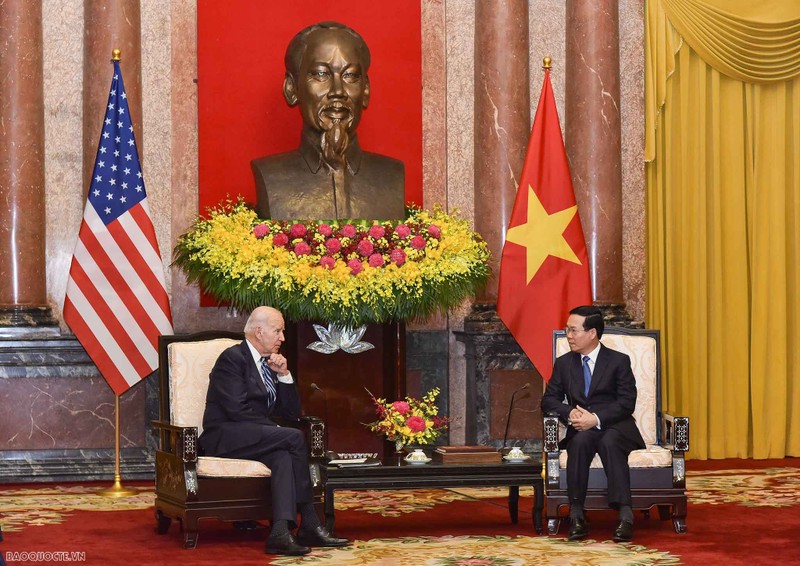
334, 386
496, 368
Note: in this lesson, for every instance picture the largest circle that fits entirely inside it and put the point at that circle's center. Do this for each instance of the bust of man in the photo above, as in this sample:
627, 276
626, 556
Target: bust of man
329, 176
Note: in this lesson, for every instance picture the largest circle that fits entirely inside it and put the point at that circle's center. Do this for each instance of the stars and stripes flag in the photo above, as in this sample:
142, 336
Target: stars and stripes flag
544, 268
116, 301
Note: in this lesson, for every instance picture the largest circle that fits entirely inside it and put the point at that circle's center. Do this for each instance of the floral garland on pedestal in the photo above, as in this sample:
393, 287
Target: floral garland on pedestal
349, 273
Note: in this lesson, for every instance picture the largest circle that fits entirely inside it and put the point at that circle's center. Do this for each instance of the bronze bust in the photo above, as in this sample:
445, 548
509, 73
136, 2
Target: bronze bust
329, 176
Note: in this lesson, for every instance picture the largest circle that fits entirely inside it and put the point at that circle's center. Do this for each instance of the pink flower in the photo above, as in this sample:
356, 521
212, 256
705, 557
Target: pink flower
402, 231
280, 239
416, 424
401, 407
298, 230
375, 260
260, 230
302, 248
327, 262
355, 266
418, 242
398, 256
325, 230
365, 248
435, 231
376, 231
333, 245
348, 230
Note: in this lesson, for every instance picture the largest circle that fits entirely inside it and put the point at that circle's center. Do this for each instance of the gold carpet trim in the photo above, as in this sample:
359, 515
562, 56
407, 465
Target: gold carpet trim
768, 487
482, 551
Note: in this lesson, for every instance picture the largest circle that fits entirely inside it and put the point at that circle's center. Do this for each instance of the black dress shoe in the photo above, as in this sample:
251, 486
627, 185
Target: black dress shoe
578, 530
624, 532
285, 544
319, 537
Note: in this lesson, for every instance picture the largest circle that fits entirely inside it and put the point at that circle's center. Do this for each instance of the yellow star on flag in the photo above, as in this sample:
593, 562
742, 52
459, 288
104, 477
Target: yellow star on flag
543, 234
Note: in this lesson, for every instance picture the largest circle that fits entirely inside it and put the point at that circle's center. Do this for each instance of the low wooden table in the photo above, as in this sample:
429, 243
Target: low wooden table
397, 474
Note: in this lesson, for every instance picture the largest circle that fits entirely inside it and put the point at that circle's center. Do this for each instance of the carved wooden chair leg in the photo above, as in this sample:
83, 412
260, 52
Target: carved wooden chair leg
162, 522
664, 512
679, 517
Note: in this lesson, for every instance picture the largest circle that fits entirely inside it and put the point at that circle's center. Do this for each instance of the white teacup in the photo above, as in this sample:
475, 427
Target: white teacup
515, 454
417, 455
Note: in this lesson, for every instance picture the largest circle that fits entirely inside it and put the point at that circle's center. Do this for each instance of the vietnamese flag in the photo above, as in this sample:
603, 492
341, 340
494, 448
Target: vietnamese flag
544, 269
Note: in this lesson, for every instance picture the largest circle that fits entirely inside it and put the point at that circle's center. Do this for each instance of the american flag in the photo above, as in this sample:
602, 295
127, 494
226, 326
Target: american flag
117, 302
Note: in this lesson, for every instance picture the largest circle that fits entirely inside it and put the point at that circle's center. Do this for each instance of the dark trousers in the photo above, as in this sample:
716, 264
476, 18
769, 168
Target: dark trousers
613, 449
283, 450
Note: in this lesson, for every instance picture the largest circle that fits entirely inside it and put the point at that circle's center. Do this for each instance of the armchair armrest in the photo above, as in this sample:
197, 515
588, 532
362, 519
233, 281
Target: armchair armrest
675, 436
675, 432
314, 428
178, 440
551, 451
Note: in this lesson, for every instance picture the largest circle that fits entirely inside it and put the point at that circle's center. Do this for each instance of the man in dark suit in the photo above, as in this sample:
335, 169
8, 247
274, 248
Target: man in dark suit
329, 176
593, 391
249, 385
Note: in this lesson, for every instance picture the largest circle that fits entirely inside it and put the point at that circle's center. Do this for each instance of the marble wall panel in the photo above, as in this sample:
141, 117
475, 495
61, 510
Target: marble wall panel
62, 29
45, 413
460, 80
154, 147
631, 47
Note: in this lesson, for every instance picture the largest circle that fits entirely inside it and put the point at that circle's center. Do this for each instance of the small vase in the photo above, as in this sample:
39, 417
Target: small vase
398, 446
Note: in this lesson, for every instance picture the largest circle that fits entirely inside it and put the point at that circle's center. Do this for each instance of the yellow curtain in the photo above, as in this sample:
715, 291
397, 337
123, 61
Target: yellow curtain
722, 144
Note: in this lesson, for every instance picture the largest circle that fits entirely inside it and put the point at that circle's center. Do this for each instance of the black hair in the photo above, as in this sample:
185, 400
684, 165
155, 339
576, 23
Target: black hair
593, 318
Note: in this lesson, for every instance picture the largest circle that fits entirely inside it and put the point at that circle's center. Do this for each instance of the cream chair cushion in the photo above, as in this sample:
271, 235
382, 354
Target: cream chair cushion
212, 467
190, 368
643, 351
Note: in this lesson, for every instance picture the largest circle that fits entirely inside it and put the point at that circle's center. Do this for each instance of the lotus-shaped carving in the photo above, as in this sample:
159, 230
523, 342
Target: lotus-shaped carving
337, 337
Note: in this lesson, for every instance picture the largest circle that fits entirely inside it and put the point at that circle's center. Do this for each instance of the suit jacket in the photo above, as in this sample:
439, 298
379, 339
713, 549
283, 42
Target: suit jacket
612, 394
236, 403
297, 185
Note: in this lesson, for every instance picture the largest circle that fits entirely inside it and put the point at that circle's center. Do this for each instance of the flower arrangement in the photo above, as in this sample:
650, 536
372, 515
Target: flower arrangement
344, 272
411, 421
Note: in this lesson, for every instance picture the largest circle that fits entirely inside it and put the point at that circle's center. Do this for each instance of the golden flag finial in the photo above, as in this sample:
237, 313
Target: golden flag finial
115, 54
546, 62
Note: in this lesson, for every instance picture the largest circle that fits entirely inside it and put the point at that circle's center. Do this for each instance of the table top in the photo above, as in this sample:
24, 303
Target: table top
394, 466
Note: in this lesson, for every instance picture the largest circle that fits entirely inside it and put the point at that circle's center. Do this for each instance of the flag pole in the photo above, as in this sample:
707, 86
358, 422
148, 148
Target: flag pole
117, 489
547, 63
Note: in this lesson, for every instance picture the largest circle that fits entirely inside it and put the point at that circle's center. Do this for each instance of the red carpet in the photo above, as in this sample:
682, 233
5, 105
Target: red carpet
740, 512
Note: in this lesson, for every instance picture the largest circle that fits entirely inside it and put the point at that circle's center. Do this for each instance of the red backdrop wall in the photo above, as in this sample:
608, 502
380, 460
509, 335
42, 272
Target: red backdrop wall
242, 113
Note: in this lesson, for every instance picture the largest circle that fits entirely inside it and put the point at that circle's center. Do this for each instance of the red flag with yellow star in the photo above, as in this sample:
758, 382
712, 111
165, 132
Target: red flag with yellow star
544, 269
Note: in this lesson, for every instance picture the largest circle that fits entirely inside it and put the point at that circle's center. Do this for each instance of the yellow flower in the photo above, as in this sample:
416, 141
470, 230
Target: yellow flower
223, 254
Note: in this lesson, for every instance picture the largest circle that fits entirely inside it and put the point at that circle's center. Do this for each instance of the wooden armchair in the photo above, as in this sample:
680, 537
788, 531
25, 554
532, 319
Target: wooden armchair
191, 487
658, 473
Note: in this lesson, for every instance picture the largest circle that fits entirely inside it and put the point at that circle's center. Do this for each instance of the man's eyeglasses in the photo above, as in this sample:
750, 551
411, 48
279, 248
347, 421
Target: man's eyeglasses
570, 330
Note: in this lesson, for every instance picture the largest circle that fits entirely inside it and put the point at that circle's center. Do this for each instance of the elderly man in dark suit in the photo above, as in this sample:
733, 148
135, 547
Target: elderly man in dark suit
593, 390
249, 385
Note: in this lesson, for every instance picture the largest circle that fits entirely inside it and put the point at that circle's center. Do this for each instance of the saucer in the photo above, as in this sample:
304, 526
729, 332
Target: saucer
417, 462
516, 460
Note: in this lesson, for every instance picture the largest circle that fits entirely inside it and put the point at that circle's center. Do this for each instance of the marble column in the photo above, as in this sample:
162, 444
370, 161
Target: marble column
109, 24
502, 120
23, 291
593, 135
496, 367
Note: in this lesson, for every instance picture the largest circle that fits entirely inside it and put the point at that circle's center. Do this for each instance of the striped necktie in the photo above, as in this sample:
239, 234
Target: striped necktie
266, 376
